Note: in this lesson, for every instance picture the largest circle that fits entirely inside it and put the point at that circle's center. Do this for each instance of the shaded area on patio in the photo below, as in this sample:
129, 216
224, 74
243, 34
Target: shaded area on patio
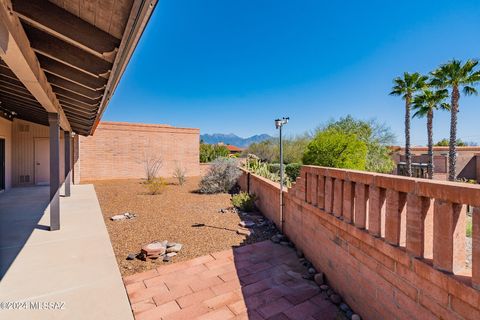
74, 266
257, 281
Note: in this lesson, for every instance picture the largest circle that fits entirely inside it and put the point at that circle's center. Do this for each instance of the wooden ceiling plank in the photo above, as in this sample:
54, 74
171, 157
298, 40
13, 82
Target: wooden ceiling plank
75, 96
64, 25
16, 52
79, 104
59, 69
57, 81
66, 53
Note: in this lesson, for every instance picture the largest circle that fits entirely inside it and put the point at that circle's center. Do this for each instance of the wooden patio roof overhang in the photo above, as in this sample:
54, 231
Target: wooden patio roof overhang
66, 57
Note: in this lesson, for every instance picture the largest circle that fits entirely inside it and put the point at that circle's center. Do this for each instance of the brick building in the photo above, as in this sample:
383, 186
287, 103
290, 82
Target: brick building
118, 150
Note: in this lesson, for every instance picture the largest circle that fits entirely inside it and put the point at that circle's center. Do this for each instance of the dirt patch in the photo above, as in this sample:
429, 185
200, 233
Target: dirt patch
178, 215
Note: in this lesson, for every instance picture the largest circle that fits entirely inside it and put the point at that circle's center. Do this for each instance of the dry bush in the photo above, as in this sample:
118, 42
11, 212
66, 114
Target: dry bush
180, 174
155, 186
152, 163
221, 177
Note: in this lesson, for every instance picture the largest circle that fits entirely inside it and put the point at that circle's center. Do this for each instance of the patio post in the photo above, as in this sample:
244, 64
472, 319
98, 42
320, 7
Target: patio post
68, 177
53, 121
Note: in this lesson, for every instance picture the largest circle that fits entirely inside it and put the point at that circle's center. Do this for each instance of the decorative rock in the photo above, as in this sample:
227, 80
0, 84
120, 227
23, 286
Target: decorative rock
131, 256
171, 254
275, 239
344, 307
175, 248
167, 259
118, 217
330, 292
319, 279
154, 248
312, 270
308, 276
244, 232
294, 274
335, 298
324, 287
123, 216
171, 244
356, 317
349, 314
247, 224
142, 256
284, 243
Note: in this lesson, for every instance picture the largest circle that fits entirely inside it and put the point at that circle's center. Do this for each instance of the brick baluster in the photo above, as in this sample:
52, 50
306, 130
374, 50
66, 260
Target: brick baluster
321, 191
337, 197
417, 209
314, 191
448, 255
308, 189
348, 201
476, 248
395, 202
376, 201
328, 194
361, 198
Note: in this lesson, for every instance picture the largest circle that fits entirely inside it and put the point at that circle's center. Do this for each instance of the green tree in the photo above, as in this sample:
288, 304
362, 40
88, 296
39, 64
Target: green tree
406, 87
456, 76
424, 105
210, 152
460, 143
375, 135
332, 148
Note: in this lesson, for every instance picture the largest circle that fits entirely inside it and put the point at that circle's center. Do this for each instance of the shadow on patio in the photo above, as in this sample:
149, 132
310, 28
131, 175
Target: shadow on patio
21, 210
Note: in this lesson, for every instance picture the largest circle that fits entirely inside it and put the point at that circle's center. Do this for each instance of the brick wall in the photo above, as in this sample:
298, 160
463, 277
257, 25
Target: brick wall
117, 151
393, 247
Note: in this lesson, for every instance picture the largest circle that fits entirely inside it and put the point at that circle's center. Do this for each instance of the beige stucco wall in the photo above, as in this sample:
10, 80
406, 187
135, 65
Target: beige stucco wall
6, 133
24, 134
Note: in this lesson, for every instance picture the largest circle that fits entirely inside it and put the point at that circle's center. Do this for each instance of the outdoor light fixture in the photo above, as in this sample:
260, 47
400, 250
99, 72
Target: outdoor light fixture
279, 123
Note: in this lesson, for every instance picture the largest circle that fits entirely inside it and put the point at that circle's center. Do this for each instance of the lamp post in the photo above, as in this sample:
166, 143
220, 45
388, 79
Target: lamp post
279, 123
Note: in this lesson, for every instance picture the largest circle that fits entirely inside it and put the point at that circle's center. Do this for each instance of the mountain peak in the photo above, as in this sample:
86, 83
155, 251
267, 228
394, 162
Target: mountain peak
233, 139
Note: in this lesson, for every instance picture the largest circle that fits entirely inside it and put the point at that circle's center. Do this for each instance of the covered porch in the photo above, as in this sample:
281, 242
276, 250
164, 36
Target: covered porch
73, 270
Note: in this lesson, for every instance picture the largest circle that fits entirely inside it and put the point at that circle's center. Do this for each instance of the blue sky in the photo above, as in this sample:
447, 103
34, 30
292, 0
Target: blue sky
233, 66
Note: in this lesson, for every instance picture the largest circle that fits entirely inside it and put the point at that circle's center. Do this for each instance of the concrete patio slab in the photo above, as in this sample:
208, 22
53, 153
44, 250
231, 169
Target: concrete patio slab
73, 269
258, 281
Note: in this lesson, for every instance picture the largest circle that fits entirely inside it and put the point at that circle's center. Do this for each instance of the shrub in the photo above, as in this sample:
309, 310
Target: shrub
244, 201
156, 185
376, 136
179, 174
221, 177
151, 164
262, 169
292, 170
210, 152
269, 150
332, 148
274, 168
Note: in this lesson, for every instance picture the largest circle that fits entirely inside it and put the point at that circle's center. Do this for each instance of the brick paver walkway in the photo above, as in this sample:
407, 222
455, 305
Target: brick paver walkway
258, 281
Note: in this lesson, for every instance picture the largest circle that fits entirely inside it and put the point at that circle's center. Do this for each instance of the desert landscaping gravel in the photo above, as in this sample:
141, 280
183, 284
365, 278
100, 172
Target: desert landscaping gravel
178, 214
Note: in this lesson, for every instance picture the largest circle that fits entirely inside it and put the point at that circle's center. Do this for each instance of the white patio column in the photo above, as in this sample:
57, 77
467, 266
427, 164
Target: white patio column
68, 171
53, 121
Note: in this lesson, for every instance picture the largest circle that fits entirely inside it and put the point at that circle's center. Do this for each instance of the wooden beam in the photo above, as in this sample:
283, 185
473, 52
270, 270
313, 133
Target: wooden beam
77, 107
72, 86
16, 52
59, 69
46, 16
75, 96
66, 53
76, 103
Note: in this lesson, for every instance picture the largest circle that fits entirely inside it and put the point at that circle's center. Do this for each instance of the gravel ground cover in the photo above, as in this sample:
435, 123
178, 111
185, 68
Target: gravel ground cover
178, 214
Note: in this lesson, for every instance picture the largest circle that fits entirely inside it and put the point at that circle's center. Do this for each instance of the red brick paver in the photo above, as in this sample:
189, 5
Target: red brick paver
258, 281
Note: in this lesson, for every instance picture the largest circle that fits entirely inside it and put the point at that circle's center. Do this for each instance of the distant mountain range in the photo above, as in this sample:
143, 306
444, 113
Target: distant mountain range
233, 139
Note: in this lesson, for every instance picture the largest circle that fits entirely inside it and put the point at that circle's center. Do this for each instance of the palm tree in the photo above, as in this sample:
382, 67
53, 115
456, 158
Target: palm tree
425, 104
455, 75
406, 87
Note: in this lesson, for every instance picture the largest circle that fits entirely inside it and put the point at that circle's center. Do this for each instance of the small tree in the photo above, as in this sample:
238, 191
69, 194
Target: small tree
151, 163
331, 148
210, 152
